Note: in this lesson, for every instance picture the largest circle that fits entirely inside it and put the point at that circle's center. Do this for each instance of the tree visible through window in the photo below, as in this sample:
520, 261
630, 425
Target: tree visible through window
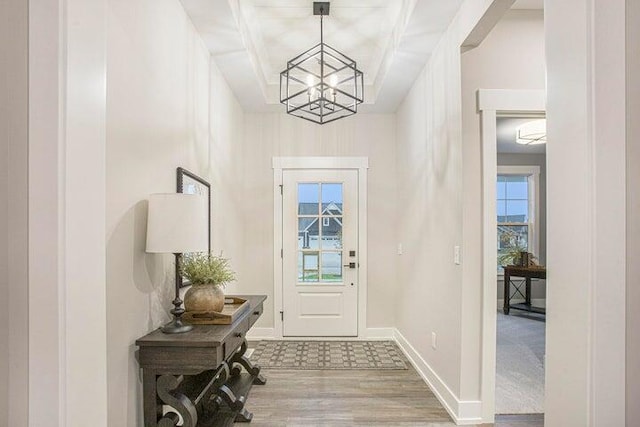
514, 218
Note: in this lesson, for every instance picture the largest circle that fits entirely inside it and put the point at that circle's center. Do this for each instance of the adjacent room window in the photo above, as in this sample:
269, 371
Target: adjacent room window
516, 208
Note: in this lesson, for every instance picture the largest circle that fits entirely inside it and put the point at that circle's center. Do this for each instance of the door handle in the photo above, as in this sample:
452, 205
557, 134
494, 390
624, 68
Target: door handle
350, 265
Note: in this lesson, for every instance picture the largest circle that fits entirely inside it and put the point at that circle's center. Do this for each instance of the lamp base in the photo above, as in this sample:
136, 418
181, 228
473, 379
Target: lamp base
176, 326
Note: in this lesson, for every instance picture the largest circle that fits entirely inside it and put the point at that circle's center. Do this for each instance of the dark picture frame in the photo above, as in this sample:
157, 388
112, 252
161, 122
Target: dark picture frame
188, 182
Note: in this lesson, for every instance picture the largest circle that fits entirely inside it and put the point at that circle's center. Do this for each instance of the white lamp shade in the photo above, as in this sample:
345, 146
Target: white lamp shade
177, 223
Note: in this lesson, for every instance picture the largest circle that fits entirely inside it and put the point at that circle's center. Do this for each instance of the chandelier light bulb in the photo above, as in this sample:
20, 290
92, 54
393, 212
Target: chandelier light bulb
333, 80
309, 80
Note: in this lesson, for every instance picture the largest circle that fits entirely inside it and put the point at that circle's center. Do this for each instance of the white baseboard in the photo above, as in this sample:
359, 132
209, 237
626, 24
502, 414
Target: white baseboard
463, 412
379, 334
257, 334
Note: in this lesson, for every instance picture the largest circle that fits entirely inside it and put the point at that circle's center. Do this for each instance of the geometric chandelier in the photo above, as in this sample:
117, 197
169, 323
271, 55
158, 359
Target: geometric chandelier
321, 85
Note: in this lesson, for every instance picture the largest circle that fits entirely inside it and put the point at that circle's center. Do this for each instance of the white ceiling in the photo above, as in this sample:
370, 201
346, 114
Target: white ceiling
251, 41
281, 29
528, 4
506, 130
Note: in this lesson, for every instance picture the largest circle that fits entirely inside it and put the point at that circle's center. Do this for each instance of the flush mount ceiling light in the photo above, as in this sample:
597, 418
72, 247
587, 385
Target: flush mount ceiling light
532, 133
321, 85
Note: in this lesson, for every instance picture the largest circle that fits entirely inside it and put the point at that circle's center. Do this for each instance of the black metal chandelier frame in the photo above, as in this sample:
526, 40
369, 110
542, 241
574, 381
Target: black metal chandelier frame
327, 100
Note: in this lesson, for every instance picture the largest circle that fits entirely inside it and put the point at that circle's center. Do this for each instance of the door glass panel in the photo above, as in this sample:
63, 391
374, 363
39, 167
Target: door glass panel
331, 232
308, 266
308, 233
320, 232
332, 266
332, 199
308, 202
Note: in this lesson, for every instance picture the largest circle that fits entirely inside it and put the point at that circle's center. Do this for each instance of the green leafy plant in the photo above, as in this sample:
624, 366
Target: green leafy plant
511, 256
512, 246
207, 269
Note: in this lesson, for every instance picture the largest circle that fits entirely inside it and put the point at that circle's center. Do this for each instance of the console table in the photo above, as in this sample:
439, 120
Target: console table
200, 373
527, 273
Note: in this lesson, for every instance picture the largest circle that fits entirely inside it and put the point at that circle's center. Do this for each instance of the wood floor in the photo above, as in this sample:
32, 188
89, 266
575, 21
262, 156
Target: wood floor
353, 398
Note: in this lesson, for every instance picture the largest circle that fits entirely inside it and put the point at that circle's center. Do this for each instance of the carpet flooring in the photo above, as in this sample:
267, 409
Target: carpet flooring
310, 355
520, 363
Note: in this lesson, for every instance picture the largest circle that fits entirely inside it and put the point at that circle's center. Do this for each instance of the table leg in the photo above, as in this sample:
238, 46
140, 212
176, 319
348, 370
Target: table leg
166, 385
240, 359
507, 292
152, 408
527, 295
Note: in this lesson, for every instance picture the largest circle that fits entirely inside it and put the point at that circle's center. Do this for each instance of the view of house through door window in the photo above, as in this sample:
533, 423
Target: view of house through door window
319, 232
320, 253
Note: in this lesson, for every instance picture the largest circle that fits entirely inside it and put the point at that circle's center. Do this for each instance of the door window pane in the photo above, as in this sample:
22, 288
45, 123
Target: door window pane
331, 266
320, 232
332, 233
308, 266
308, 233
308, 195
332, 199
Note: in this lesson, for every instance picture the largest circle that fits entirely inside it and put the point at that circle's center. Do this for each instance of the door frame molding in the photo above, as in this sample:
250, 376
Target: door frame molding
491, 103
280, 164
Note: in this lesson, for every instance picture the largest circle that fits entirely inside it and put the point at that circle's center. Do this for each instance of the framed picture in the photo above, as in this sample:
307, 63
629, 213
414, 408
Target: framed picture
190, 183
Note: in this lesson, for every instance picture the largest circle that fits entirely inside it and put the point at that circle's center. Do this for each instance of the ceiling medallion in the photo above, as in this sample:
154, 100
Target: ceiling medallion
321, 85
532, 133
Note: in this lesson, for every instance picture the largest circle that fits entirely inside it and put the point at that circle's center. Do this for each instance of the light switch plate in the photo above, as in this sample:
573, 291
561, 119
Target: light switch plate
456, 255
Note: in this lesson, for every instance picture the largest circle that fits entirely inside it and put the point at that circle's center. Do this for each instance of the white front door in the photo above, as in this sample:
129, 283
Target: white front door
320, 252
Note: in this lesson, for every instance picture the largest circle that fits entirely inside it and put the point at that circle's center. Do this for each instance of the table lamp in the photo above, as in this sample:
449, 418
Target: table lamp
177, 223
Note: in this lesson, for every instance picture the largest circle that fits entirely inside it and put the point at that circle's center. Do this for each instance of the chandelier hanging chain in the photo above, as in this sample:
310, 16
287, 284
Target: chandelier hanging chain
321, 25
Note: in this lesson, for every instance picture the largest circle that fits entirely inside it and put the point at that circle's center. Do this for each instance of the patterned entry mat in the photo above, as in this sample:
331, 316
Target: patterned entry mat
308, 355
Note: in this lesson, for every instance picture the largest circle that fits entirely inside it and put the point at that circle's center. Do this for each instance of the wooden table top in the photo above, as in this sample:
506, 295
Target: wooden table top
516, 270
201, 335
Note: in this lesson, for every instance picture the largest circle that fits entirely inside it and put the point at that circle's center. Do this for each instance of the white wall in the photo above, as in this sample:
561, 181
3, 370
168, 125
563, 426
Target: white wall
440, 185
367, 135
585, 364
67, 322
160, 115
633, 212
430, 192
13, 214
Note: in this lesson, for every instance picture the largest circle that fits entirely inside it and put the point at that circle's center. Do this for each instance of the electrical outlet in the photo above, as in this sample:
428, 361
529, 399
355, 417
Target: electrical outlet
434, 342
456, 255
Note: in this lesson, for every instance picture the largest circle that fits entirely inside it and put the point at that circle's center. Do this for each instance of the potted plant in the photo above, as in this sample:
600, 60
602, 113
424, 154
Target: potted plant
511, 255
208, 275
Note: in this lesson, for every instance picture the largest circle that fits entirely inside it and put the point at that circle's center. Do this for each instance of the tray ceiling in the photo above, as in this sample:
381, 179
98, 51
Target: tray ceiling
251, 41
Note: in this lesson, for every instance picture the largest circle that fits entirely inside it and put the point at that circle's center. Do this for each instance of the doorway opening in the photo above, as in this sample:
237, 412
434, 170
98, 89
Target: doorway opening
521, 257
